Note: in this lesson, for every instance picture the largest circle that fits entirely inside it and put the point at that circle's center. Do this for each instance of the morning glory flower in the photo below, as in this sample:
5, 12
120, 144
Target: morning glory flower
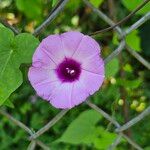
66, 69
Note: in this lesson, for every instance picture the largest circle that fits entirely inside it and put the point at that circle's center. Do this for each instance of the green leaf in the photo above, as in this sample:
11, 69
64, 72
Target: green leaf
132, 4
82, 129
112, 68
25, 108
115, 38
31, 8
128, 68
134, 41
96, 3
104, 140
14, 51
54, 2
9, 103
73, 6
36, 121
132, 84
2, 26
111, 93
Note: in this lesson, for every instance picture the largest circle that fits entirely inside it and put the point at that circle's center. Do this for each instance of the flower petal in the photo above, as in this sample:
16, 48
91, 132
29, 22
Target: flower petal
61, 97
43, 81
40, 59
69, 95
71, 41
94, 64
37, 75
53, 47
87, 48
79, 93
91, 81
52, 51
45, 90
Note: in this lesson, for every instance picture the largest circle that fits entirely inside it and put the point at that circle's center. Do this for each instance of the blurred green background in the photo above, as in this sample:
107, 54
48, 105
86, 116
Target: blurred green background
124, 94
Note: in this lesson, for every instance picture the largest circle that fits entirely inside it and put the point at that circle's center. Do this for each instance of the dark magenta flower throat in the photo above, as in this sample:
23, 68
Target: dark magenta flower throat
69, 70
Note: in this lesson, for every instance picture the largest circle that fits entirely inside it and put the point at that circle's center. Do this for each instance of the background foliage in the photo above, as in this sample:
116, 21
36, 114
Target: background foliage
82, 128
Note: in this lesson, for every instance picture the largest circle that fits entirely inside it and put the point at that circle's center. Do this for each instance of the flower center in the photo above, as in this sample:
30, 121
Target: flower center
69, 70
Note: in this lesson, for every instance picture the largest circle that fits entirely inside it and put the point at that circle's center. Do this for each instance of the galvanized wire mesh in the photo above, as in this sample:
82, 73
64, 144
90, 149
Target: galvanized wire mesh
33, 136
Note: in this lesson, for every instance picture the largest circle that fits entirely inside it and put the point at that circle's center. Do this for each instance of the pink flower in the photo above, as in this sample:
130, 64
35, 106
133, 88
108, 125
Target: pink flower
66, 69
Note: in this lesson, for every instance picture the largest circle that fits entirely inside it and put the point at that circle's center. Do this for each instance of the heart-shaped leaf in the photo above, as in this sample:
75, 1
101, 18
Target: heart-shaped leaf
14, 50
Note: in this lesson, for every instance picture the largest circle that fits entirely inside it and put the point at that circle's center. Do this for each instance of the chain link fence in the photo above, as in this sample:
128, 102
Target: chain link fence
119, 129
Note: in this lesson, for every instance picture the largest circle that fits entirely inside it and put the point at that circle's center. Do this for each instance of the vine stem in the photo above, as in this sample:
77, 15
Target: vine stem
122, 34
121, 46
121, 21
137, 24
103, 16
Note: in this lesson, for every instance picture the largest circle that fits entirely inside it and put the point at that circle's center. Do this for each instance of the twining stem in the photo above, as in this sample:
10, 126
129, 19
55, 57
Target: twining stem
113, 15
123, 96
137, 24
112, 11
124, 19
122, 34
